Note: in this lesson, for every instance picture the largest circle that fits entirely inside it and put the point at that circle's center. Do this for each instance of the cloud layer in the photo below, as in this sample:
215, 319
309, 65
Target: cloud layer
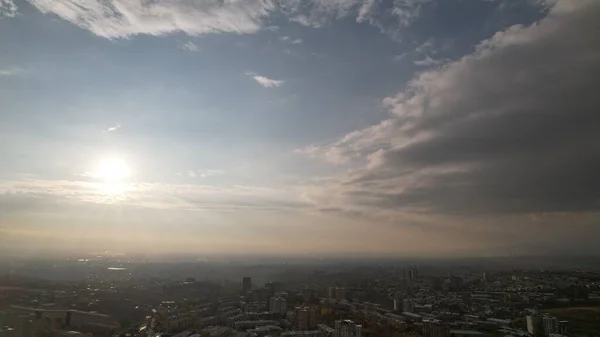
124, 18
8, 8
512, 128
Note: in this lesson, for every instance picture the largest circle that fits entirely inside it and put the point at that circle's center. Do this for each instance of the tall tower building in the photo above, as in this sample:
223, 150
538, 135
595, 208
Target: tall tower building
246, 283
347, 328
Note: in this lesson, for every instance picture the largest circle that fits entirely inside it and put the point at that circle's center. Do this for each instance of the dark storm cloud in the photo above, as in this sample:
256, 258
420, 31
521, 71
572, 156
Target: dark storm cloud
515, 127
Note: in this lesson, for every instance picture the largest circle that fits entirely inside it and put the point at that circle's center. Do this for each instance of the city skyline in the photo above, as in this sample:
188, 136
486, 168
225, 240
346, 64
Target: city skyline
417, 128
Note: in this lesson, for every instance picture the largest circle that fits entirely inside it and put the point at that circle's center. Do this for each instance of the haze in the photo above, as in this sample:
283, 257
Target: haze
413, 128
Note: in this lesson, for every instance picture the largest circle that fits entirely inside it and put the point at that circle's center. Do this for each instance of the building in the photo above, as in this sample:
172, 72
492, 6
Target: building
347, 328
301, 318
534, 324
273, 287
278, 305
465, 333
563, 327
306, 333
398, 304
326, 330
305, 318
456, 283
408, 305
245, 325
340, 294
434, 328
246, 284
218, 331
550, 325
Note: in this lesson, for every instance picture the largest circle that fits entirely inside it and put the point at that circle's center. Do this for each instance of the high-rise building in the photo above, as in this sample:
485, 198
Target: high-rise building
408, 305
301, 318
278, 305
246, 283
563, 327
398, 304
534, 324
340, 294
550, 325
347, 328
307, 295
312, 318
331, 292
305, 318
434, 328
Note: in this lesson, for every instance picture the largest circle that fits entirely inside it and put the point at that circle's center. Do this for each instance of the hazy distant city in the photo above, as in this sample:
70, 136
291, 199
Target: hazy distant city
115, 295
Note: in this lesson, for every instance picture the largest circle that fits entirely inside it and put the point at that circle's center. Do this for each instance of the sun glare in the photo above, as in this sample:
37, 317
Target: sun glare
112, 169
111, 174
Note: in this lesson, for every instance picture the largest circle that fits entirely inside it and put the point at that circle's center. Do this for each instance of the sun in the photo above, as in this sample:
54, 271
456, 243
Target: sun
112, 169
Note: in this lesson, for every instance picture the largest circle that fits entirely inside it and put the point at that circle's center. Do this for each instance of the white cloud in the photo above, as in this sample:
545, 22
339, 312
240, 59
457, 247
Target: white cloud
125, 18
289, 40
308, 21
190, 46
407, 11
204, 173
265, 81
8, 8
11, 71
18, 195
400, 58
365, 10
427, 61
114, 128
499, 130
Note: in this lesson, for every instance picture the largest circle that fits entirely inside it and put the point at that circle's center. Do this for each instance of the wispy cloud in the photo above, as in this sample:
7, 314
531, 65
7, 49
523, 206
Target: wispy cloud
204, 173
308, 21
125, 18
11, 71
407, 11
365, 10
190, 46
19, 194
114, 128
289, 39
400, 58
265, 81
427, 61
8, 8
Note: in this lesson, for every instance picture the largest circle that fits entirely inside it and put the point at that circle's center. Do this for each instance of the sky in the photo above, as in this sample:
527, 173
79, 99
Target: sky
410, 128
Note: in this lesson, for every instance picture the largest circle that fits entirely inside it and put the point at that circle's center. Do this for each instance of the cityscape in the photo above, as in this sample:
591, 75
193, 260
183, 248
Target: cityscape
324, 298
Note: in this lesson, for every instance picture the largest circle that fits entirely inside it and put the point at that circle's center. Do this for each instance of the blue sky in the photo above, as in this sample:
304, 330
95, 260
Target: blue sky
245, 125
